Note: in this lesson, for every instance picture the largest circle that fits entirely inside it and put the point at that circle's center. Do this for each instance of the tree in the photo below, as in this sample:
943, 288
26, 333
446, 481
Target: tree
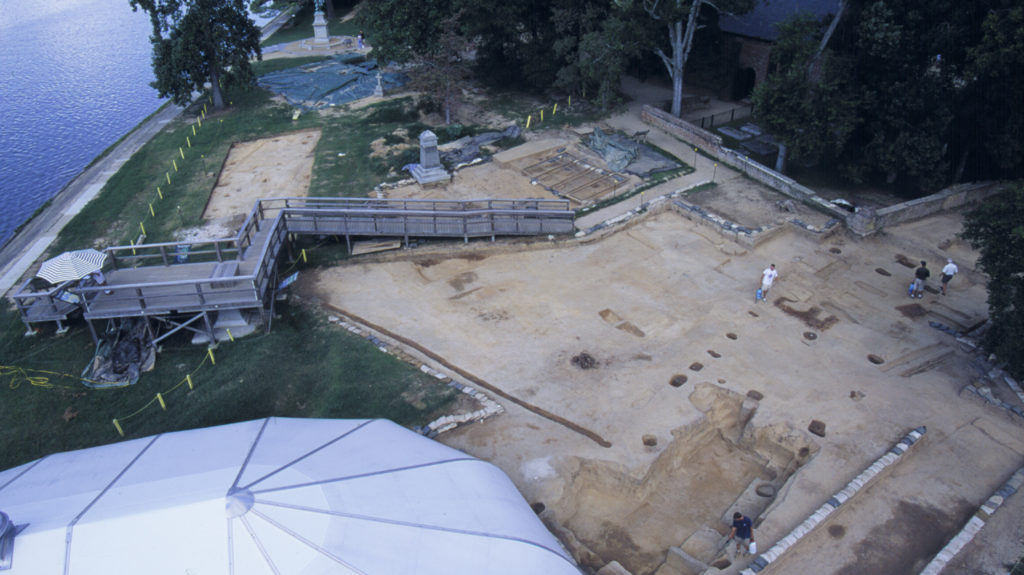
805, 103
200, 41
997, 89
672, 13
441, 71
996, 229
595, 44
404, 29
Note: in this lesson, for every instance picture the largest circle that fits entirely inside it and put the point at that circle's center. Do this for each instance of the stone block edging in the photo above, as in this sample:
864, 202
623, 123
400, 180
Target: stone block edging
646, 206
489, 407
893, 455
974, 525
985, 394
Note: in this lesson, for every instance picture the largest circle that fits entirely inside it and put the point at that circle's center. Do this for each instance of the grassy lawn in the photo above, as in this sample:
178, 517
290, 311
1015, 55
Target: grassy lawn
305, 367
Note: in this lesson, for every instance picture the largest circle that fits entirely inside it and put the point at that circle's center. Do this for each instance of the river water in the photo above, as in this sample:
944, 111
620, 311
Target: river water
74, 78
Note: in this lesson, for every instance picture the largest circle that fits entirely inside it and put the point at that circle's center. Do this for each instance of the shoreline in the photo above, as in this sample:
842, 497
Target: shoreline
35, 236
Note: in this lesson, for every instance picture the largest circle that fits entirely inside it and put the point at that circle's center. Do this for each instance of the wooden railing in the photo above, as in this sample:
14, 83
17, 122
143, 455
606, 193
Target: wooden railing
267, 228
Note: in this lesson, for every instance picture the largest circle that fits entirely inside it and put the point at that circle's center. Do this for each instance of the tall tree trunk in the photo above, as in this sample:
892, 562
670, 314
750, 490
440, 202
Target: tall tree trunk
780, 161
681, 43
215, 91
960, 167
329, 6
675, 33
812, 68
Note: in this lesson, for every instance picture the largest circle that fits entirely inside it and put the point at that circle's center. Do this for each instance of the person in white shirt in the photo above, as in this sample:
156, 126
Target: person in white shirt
948, 272
767, 277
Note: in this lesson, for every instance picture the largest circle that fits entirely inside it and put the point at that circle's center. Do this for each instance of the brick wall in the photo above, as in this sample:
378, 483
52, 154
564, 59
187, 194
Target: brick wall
754, 54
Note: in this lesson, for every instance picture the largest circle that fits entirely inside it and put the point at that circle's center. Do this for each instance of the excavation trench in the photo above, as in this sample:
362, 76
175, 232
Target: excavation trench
709, 469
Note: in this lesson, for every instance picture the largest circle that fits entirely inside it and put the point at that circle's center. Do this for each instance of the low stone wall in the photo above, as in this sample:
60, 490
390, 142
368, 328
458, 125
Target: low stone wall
952, 197
712, 144
863, 223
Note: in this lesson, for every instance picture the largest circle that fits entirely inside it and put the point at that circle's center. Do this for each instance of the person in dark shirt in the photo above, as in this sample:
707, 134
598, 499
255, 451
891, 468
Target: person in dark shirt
742, 531
920, 274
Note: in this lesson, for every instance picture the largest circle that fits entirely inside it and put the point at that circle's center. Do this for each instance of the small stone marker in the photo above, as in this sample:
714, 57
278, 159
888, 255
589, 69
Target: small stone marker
429, 169
379, 90
817, 428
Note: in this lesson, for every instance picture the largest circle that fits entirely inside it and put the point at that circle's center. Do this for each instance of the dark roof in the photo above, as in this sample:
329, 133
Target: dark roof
760, 22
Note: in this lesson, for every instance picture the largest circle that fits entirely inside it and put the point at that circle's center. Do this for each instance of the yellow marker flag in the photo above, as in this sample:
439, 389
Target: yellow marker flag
159, 193
188, 141
188, 378
117, 426
175, 162
151, 212
528, 118
209, 351
231, 337
304, 256
193, 129
160, 398
143, 228
555, 109
182, 152
200, 122
542, 115
570, 101
168, 174
132, 243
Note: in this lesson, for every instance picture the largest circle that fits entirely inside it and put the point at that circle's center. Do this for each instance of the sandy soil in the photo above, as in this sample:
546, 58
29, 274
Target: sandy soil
696, 396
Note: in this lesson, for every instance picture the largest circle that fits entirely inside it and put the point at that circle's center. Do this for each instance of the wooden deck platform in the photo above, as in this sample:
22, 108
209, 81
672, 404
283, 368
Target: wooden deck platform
240, 272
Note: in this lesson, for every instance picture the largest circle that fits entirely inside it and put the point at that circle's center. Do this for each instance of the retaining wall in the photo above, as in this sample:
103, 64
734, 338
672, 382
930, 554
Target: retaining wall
952, 197
863, 223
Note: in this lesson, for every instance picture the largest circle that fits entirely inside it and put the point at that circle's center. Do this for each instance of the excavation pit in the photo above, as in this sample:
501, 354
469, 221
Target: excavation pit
702, 459
584, 361
677, 380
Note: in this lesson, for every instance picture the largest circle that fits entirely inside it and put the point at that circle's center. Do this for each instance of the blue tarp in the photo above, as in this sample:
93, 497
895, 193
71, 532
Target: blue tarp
338, 80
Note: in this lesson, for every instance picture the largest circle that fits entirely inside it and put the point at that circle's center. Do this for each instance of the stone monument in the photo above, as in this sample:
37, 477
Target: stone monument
429, 169
319, 24
379, 90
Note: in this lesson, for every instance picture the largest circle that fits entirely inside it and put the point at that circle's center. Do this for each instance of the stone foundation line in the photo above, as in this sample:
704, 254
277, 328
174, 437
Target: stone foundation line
639, 210
974, 525
892, 456
441, 424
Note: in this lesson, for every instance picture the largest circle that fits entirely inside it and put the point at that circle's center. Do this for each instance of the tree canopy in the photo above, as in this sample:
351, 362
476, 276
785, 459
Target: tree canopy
996, 229
913, 95
901, 93
196, 42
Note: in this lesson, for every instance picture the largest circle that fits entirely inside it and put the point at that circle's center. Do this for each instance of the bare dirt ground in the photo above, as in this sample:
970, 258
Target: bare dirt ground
694, 397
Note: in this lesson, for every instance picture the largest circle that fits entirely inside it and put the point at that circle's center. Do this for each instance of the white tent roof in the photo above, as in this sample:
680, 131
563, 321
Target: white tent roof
274, 496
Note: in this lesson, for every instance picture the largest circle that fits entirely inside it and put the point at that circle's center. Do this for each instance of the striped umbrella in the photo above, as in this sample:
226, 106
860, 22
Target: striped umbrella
71, 265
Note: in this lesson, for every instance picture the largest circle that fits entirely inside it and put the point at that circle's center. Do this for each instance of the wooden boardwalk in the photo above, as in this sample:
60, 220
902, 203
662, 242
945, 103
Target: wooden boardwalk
241, 272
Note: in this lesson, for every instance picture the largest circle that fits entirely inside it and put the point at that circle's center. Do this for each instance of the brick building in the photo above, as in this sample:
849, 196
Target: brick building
756, 32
